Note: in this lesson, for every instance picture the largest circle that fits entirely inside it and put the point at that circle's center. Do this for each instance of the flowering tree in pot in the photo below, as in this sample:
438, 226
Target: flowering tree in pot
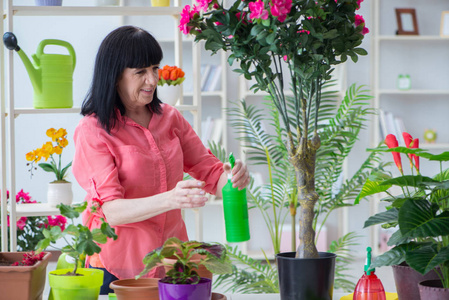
273, 40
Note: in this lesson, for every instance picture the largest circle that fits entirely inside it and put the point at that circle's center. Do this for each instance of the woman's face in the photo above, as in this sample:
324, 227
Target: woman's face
136, 86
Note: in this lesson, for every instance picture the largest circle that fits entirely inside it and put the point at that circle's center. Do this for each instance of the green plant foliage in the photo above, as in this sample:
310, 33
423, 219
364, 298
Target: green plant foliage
420, 215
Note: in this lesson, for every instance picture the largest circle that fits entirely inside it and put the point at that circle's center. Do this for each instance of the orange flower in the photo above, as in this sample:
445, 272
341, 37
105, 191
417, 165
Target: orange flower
166, 74
392, 142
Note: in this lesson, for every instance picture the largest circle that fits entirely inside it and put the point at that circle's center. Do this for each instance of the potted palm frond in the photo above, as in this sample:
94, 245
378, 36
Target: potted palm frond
420, 214
271, 41
76, 282
182, 280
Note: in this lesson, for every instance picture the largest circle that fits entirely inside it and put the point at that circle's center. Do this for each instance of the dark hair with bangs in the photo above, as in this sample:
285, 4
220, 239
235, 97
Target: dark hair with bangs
125, 47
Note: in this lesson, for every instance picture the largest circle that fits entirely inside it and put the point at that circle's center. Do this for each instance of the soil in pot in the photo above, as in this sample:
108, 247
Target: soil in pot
136, 289
433, 290
406, 280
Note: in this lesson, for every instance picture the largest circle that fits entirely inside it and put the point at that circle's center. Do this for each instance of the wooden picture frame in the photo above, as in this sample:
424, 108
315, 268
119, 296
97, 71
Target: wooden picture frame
444, 28
407, 22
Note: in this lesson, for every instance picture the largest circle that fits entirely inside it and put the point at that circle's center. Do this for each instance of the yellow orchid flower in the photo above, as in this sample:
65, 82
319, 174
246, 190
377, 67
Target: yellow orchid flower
55, 146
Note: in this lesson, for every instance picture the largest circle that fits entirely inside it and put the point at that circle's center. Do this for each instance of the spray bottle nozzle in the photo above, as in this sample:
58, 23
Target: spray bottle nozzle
368, 262
231, 159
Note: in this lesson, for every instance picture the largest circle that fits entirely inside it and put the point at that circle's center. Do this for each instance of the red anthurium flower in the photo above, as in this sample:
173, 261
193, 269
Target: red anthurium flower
392, 142
411, 143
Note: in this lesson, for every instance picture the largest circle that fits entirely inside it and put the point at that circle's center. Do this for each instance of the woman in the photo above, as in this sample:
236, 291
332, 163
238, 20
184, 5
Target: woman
131, 152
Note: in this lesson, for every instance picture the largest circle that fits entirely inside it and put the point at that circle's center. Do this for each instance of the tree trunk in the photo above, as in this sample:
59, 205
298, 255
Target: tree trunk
304, 160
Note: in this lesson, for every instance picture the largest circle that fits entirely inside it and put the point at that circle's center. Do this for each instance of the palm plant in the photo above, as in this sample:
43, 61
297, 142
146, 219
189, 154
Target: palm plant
338, 127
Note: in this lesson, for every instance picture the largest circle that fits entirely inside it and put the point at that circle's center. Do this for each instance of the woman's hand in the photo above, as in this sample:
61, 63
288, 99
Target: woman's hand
189, 194
240, 174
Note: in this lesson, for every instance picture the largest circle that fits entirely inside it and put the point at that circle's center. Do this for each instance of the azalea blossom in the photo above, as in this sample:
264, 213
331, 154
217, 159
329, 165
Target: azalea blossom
358, 3
258, 10
186, 16
203, 4
392, 142
280, 8
359, 20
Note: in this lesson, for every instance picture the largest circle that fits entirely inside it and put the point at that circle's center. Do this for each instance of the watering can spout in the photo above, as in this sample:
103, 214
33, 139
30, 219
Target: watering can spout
10, 41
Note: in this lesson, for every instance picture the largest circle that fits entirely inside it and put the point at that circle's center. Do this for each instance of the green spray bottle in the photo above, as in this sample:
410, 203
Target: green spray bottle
235, 210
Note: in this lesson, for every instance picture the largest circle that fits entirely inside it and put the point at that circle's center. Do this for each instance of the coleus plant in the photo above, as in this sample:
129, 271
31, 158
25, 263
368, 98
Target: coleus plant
420, 213
183, 271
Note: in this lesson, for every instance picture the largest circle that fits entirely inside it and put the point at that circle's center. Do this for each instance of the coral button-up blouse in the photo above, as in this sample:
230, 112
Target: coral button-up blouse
134, 162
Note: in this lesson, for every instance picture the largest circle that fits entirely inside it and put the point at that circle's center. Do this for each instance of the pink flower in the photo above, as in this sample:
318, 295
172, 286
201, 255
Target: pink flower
285, 57
392, 142
186, 17
203, 4
358, 3
280, 8
257, 10
59, 221
359, 20
304, 31
21, 223
241, 16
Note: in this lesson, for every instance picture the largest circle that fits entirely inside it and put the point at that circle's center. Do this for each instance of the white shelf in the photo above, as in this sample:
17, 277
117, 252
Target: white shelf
413, 92
414, 38
35, 210
94, 11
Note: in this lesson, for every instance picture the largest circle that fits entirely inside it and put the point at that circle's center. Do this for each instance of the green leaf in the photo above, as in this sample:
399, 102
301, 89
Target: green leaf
98, 236
371, 188
48, 167
88, 246
394, 256
417, 218
390, 215
425, 259
108, 231
410, 180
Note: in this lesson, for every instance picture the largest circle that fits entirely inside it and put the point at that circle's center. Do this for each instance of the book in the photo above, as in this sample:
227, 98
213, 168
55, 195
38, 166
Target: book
205, 70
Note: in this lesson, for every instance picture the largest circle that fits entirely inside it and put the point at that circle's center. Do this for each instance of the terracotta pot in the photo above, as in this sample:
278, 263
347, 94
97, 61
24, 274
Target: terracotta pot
202, 270
433, 290
406, 280
24, 283
136, 289
218, 296
59, 192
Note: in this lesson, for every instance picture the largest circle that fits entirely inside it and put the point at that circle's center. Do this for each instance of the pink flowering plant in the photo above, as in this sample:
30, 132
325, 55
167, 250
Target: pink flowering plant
29, 229
418, 209
278, 40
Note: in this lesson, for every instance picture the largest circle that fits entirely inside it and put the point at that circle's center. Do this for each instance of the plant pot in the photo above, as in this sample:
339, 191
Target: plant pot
306, 278
24, 282
59, 192
86, 287
169, 93
406, 280
196, 258
132, 289
218, 296
160, 2
433, 290
48, 2
200, 291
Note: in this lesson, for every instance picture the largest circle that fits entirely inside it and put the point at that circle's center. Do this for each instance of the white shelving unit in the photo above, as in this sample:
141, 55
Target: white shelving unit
391, 55
8, 107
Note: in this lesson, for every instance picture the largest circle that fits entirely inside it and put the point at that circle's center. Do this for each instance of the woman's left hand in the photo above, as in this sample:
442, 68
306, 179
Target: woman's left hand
240, 174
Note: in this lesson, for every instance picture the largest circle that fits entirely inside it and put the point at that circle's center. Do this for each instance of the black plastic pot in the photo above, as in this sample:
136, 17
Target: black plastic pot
306, 278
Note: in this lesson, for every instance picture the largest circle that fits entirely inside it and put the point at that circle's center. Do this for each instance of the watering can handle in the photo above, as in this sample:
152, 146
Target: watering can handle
43, 43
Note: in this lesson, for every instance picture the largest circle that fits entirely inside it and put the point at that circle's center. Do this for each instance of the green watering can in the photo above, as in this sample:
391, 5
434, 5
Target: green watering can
51, 74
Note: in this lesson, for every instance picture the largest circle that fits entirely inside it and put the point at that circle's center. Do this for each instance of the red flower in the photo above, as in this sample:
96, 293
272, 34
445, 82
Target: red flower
392, 142
411, 143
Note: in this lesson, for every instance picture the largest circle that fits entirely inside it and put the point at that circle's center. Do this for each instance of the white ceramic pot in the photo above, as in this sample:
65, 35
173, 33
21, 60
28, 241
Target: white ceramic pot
169, 93
59, 192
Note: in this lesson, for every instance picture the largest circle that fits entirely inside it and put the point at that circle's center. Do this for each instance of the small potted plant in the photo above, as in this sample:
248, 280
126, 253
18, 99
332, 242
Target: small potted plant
169, 84
22, 274
59, 190
182, 277
77, 283
419, 213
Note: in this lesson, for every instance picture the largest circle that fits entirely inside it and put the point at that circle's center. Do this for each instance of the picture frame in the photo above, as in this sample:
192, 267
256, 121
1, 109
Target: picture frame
444, 28
407, 21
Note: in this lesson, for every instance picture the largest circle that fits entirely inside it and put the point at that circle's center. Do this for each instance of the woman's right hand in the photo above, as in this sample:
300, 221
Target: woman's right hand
189, 194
